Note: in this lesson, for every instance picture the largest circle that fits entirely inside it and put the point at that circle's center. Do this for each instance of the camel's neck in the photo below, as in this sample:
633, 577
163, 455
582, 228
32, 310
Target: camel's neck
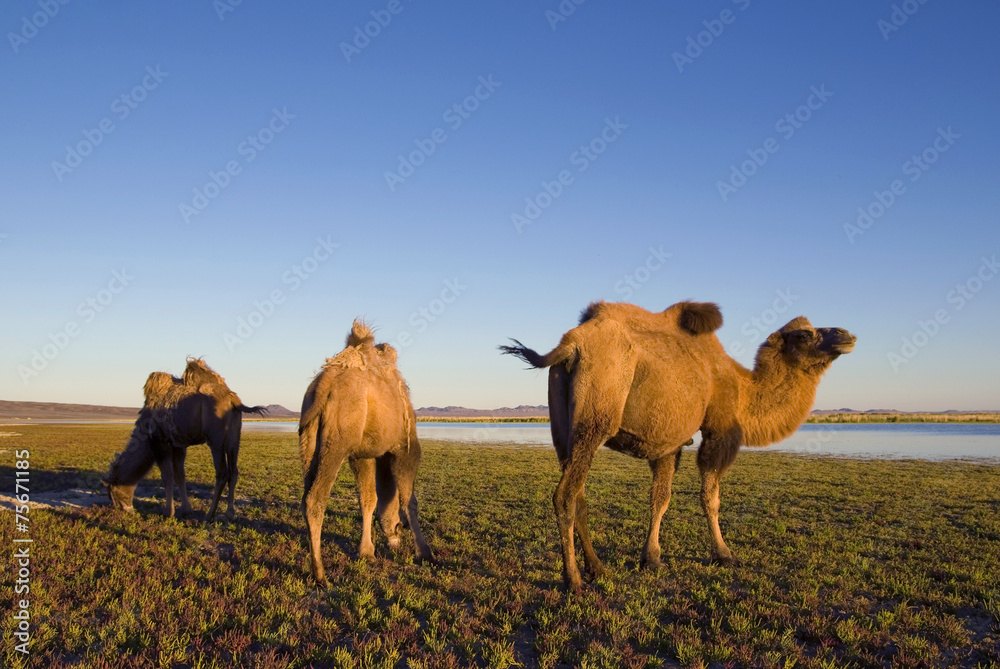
774, 402
132, 464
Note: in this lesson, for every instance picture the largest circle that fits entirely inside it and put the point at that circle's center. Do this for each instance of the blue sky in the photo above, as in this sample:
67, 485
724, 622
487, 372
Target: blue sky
239, 181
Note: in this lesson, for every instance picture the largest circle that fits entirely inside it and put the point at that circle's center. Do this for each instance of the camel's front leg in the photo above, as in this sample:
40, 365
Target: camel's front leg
663, 476
404, 470
364, 474
388, 501
714, 458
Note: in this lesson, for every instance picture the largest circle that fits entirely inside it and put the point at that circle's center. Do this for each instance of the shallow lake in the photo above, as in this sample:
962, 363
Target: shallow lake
925, 441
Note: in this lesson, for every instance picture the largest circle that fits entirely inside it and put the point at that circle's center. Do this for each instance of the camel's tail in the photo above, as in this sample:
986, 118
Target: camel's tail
565, 351
259, 410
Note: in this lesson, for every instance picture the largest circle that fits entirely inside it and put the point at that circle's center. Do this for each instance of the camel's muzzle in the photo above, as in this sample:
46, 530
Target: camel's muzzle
838, 340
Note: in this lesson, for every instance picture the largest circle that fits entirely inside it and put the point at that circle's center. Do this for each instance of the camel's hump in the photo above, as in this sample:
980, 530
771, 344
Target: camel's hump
699, 317
361, 333
694, 318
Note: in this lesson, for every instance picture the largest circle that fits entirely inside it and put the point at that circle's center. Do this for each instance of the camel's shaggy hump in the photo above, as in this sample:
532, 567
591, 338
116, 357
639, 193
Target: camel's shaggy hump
695, 318
361, 333
700, 317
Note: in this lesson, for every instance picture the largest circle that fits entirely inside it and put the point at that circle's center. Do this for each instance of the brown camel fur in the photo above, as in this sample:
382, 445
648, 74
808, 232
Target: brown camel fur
178, 413
358, 409
643, 383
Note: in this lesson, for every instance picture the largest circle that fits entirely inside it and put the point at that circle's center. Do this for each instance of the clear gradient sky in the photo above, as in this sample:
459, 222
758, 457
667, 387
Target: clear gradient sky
239, 181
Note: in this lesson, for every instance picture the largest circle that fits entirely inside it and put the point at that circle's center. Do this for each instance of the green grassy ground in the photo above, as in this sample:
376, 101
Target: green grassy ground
845, 564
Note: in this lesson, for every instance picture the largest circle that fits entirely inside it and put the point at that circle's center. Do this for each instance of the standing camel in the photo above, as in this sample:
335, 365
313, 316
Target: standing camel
178, 413
358, 409
644, 382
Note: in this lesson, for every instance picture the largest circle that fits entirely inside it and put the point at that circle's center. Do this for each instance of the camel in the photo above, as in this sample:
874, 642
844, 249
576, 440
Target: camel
358, 409
178, 413
643, 383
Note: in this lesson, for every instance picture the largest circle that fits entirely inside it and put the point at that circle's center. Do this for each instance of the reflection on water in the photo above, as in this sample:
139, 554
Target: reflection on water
925, 441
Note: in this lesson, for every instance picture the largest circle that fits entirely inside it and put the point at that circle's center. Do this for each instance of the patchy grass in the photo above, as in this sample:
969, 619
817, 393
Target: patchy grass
845, 564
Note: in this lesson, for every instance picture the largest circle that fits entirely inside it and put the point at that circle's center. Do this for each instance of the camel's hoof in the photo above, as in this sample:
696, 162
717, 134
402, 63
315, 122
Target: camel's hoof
652, 564
725, 561
427, 560
593, 574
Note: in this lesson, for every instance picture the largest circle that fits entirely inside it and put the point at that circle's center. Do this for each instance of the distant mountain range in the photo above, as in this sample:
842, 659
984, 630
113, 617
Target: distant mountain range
46, 411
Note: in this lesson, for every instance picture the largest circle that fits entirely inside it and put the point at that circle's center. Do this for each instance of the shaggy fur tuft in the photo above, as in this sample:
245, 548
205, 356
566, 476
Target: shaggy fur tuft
361, 333
700, 317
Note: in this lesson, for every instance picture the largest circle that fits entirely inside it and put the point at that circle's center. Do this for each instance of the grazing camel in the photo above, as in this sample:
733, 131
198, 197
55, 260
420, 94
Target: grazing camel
643, 383
358, 409
178, 413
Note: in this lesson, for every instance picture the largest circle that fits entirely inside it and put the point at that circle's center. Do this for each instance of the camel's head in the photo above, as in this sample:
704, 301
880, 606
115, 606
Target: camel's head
120, 494
801, 345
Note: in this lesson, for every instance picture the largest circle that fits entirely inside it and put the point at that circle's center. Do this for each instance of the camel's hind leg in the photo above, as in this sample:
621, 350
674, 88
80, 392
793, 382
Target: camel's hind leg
566, 500
232, 439
318, 484
561, 436
364, 473
715, 456
221, 476
593, 567
663, 476
388, 500
404, 470
180, 478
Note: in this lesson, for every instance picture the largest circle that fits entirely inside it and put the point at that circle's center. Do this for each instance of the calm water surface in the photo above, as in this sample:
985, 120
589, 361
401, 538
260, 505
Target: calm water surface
925, 441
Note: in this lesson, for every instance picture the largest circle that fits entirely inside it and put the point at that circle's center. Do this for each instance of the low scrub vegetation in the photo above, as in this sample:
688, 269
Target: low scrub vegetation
845, 563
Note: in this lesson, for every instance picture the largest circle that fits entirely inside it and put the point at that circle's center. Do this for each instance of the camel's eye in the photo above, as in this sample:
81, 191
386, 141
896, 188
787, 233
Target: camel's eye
800, 336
